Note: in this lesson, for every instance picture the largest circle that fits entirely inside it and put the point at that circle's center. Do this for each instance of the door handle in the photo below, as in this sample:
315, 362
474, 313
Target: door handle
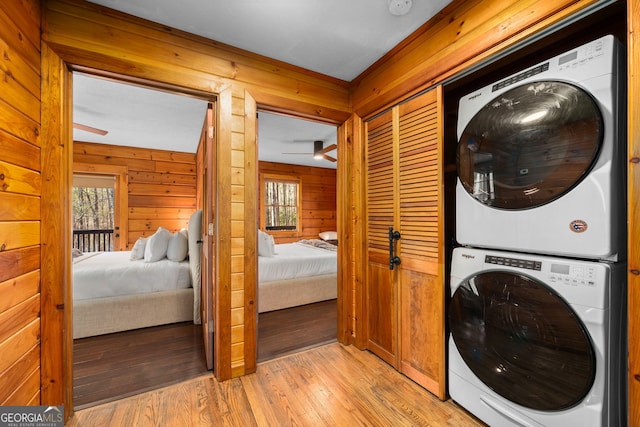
393, 259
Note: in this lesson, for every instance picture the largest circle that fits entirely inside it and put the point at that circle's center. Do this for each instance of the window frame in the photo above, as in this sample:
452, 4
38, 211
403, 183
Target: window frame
121, 198
288, 178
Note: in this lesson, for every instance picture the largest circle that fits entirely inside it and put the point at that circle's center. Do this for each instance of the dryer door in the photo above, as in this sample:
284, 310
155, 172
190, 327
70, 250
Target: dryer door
522, 340
530, 145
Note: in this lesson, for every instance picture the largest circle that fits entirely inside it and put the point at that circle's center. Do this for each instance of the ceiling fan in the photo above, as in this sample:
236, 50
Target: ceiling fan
320, 151
89, 129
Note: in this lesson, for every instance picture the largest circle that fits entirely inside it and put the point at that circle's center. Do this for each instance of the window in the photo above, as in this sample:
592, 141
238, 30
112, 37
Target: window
281, 202
93, 212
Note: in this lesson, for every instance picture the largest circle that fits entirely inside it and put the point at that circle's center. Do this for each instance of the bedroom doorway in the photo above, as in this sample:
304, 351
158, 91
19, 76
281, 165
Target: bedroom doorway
153, 186
297, 181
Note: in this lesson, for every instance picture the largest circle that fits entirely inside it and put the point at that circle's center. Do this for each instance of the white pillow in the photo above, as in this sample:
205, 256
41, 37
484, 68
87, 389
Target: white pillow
328, 235
157, 245
266, 245
138, 249
178, 247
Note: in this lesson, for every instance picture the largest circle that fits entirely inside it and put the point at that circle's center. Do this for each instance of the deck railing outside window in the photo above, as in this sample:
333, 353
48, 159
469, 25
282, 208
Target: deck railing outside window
93, 240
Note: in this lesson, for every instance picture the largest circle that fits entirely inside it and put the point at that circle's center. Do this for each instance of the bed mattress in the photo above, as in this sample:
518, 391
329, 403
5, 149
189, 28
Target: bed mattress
109, 274
295, 260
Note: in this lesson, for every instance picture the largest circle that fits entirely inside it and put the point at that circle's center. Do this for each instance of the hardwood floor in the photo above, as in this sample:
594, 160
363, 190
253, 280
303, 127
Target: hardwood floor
114, 366
330, 385
294, 329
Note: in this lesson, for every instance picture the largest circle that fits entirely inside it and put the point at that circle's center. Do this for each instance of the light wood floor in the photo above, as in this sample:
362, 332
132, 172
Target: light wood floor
331, 385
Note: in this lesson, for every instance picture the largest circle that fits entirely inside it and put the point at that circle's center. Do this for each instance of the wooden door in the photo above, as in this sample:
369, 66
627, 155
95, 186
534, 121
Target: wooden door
208, 240
421, 247
381, 291
405, 305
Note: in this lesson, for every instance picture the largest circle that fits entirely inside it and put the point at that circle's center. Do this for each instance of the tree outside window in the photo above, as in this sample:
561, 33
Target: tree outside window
281, 202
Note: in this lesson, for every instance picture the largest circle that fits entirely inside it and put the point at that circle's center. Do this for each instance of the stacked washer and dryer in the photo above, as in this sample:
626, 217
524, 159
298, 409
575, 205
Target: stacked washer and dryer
538, 285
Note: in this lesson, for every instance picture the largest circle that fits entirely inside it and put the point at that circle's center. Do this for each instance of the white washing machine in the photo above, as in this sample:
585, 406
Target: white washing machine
537, 340
541, 158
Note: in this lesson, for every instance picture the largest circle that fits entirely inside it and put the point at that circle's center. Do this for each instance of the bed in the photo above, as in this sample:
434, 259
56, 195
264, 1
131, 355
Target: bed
119, 291
294, 274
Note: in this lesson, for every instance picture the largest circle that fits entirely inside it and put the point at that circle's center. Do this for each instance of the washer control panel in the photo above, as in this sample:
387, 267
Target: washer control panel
513, 262
573, 275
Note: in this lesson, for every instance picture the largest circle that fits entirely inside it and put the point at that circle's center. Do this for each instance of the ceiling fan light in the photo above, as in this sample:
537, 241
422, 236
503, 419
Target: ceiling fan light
317, 150
399, 7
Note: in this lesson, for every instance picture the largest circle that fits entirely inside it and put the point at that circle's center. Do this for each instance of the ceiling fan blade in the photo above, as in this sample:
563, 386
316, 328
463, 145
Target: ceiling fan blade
90, 129
329, 148
327, 157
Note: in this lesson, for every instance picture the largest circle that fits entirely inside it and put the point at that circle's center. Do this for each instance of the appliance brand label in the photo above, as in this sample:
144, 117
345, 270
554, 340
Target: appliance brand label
468, 256
578, 226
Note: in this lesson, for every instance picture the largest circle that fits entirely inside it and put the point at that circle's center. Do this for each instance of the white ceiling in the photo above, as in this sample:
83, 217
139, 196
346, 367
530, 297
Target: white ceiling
339, 38
134, 115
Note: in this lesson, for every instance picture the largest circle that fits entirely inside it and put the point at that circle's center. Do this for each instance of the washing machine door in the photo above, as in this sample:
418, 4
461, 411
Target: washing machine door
530, 145
522, 340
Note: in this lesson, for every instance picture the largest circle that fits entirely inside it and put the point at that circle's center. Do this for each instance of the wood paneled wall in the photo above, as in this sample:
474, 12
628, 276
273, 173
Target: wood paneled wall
161, 185
463, 34
20, 192
318, 199
96, 39
90, 37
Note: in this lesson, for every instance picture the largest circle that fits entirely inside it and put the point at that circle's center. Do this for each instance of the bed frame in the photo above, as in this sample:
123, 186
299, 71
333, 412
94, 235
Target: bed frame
277, 295
107, 315
122, 313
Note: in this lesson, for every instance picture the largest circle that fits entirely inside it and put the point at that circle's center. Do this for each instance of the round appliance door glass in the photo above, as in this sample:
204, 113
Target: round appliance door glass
522, 340
530, 145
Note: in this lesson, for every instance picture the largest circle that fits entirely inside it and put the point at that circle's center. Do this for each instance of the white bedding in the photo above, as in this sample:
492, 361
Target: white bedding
295, 260
109, 274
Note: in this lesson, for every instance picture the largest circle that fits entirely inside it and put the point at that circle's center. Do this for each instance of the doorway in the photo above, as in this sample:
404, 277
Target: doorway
156, 187
297, 207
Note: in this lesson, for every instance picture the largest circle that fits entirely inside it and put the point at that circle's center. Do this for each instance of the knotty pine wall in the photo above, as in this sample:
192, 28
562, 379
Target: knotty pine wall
161, 185
318, 199
85, 36
81, 34
463, 34
20, 191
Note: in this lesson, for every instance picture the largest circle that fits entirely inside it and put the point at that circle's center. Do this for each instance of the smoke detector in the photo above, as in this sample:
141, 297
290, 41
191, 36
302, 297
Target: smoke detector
399, 7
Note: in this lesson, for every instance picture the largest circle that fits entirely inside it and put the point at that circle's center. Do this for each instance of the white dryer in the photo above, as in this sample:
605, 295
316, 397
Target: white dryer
541, 158
536, 340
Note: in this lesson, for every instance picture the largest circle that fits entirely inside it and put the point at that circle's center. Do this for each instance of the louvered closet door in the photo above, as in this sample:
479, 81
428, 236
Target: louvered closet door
421, 248
381, 291
405, 306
